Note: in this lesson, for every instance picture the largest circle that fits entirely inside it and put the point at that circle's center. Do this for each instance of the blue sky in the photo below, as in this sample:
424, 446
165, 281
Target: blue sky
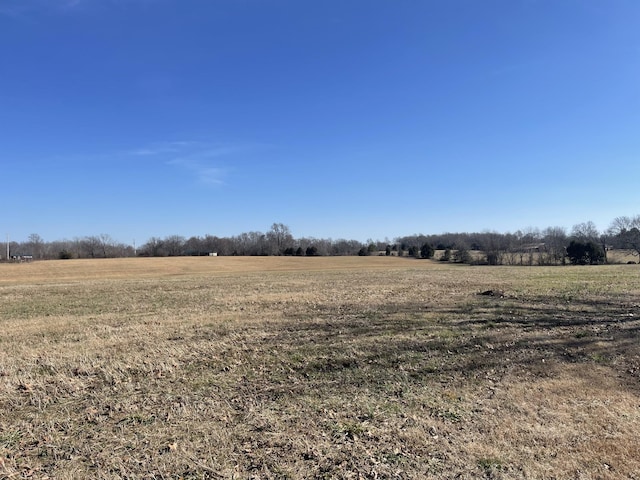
341, 119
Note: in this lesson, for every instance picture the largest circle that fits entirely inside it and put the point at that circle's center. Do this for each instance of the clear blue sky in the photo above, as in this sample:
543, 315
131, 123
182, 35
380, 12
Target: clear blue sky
339, 118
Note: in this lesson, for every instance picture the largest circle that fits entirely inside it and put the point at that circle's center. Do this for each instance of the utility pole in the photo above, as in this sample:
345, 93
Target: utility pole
7, 247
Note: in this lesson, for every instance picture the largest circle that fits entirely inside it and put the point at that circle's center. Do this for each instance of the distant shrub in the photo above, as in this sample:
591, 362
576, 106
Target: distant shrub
585, 253
462, 255
427, 251
493, 258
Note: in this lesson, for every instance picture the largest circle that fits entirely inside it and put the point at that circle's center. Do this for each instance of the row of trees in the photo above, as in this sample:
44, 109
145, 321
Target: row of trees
551, 246
97, 246
277, 241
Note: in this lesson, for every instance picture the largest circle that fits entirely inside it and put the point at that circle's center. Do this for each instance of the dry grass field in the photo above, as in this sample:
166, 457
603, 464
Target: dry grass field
321, 368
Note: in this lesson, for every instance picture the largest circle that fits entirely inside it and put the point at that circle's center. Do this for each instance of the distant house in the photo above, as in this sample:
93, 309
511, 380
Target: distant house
20, 257
534, 247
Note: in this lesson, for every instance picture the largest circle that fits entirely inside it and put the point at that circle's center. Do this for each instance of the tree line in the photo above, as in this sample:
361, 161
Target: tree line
583, 244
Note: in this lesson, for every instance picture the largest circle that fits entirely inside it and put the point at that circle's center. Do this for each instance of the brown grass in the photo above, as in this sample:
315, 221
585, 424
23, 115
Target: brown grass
622, 256
317, 368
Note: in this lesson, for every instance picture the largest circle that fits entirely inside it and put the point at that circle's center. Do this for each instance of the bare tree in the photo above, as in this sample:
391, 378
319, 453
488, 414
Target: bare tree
495, 245
90, 246
107, 245
623, 224
174, 245
626, 233
345, 247
555, 243
36, 245
279, 238
585, 231
221, 246
194, 246
153, 248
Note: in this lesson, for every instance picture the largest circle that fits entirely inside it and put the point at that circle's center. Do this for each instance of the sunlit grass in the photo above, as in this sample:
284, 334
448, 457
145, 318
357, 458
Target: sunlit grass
317, 368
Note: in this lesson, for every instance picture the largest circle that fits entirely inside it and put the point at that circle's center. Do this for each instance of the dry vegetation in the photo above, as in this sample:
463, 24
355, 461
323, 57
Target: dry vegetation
318, 368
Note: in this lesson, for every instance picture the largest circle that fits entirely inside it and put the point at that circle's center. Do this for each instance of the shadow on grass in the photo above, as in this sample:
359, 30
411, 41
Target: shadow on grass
486, 337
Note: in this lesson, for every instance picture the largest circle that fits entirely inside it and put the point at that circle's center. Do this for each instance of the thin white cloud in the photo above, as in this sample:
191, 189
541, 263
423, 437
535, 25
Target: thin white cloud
162, 149
204, 172
143, 152
208, 162
20, 8
210, 175
205, 161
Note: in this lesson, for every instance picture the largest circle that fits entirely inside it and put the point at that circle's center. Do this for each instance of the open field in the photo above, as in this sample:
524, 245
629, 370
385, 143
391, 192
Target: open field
349, 367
